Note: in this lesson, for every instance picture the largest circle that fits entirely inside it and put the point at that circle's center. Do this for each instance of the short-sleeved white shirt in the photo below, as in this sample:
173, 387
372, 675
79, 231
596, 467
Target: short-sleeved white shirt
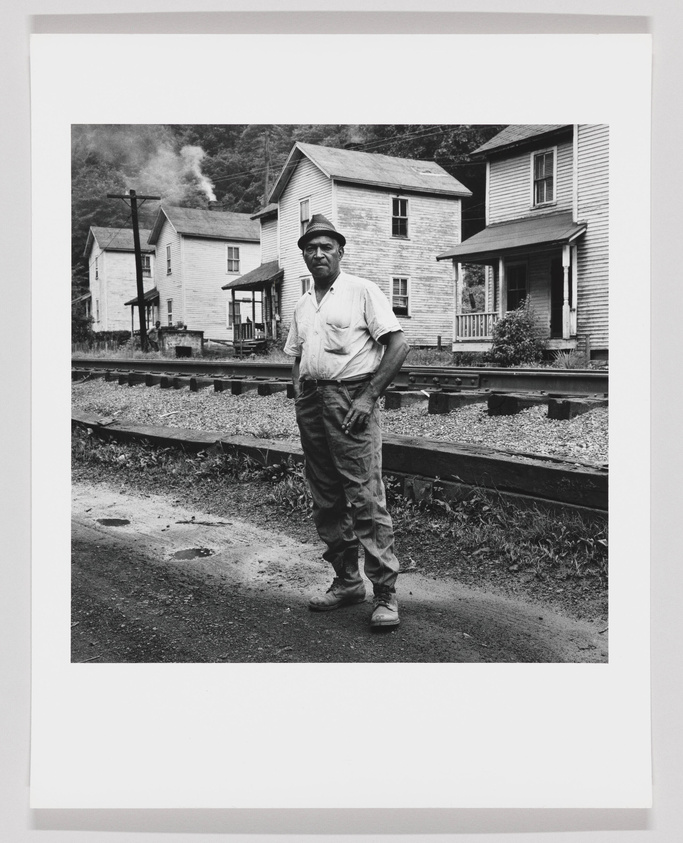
338, 338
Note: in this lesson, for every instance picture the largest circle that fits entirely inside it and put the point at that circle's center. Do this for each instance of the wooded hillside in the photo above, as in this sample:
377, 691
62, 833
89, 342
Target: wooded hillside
235, 166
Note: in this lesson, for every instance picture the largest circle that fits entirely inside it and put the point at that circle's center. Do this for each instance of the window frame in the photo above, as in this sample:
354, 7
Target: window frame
551, 150
407, 295
401, 218
234, 307
508, 267
303, 224
169, 312
306, 283
232, 260
169, 264
97, 269
146, 261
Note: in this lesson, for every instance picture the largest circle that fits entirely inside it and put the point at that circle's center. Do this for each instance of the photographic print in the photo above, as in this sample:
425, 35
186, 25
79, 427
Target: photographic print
488, 246
327, 420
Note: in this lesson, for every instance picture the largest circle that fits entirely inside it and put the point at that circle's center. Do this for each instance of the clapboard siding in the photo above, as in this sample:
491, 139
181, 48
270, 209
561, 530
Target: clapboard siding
307, 182
204, 273
510, 185
364, 216
169, 286
269, 247
593, 256
117, 284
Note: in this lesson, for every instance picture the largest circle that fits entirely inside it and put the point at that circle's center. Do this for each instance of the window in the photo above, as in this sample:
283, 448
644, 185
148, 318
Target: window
304, 215
97, 270
306, 282
399, 217
516, 284
234, 316
169, 311
400, 296
168, 259
233, 258
97, 310
543, 164
147, 265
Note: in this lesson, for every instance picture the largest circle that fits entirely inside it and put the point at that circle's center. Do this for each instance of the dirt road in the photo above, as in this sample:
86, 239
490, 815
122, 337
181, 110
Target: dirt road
153, 581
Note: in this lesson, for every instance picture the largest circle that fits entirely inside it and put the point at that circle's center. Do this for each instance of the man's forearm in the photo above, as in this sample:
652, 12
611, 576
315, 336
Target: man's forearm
394, 355
295, 375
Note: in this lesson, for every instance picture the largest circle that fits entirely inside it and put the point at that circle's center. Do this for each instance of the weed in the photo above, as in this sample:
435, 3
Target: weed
572, 359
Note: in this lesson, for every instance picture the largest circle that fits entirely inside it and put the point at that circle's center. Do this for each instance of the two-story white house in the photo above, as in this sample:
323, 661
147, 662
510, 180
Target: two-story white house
112, 278
395, 213
198, 252
546, 240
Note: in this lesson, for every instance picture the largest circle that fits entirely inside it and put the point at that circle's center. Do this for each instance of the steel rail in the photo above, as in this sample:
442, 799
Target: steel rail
546, 380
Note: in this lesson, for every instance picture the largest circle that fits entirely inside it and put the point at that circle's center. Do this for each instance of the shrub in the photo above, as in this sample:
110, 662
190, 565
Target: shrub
515, 340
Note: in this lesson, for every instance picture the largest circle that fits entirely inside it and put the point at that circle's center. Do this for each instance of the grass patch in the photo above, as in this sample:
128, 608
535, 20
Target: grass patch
481, 537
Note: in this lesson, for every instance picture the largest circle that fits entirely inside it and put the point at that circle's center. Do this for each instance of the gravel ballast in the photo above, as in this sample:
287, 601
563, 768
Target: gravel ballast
581, 439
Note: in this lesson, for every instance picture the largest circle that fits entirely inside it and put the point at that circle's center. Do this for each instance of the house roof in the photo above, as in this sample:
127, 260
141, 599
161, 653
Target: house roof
196, 222
269, 210
371, 168
116, 240
257, 278
505, 237
513, 136
150, 295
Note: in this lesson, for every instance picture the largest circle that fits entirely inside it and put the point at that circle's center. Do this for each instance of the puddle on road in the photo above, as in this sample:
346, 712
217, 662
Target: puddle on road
193, 553
113, 522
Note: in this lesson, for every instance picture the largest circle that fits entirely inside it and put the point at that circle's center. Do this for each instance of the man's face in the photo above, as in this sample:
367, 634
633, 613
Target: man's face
322, 255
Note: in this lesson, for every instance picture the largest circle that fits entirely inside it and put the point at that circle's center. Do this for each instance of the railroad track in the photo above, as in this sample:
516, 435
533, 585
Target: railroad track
549, 382
421, 462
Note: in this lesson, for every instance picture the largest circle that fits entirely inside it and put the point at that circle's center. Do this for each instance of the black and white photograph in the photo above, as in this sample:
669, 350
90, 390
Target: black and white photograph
332, 365
340, 393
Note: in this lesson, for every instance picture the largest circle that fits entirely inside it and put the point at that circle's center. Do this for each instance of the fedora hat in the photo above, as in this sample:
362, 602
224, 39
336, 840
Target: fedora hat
320, 225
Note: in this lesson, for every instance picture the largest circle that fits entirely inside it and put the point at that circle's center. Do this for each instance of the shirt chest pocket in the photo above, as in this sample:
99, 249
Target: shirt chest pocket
336, 338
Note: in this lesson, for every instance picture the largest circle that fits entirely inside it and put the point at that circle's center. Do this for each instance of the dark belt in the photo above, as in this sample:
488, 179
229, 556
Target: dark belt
309, 384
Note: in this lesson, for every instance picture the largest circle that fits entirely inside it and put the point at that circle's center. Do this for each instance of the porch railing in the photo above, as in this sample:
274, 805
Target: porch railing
244, 331
474, 326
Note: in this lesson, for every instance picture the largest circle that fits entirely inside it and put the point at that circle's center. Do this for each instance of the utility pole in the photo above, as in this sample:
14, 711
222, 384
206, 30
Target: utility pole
133, 197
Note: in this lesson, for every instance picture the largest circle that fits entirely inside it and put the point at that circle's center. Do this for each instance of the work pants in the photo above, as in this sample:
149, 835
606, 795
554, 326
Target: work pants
344, 474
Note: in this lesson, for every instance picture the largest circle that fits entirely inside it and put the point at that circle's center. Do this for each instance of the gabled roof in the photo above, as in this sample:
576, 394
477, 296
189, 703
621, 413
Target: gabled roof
257, 278
371, 168
513, 136
516, 235
116, 240
196, 222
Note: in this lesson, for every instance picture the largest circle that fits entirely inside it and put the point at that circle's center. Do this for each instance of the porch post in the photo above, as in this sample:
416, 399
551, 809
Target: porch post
457, 275
565, 293
502, 289
575, 291
234, 320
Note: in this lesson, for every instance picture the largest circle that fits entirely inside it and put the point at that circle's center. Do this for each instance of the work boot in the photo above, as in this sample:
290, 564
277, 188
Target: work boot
385, 609
340, 593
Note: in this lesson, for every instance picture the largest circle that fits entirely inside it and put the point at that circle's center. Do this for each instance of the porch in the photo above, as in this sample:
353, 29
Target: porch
532, 259
253, 307
151, 303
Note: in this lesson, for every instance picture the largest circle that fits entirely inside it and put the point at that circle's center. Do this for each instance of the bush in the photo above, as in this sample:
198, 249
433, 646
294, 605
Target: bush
515, 340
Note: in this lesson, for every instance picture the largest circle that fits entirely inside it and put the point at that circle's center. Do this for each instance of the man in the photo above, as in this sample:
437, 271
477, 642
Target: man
348, 347
153, 336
